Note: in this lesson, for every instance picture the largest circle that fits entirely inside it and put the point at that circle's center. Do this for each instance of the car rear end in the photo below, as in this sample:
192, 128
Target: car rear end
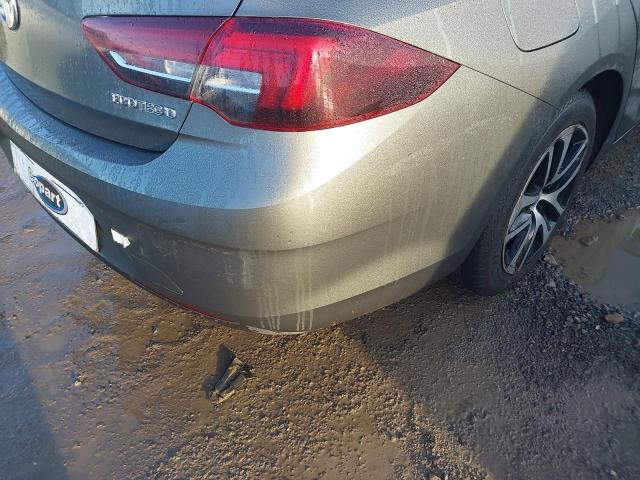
276, 173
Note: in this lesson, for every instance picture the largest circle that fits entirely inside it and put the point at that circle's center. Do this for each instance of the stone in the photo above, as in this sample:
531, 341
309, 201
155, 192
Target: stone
551, 260
590, 240
614, 318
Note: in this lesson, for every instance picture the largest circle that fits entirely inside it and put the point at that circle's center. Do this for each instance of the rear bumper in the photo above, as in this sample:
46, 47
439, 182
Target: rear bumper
285, 233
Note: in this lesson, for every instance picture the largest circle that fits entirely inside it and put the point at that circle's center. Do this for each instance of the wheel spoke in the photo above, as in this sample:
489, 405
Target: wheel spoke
577, 156
553, 200
565, 166
566, 181
541, 225
519, 226
575, 164
566, 143
527, 252
525, 202
524, 247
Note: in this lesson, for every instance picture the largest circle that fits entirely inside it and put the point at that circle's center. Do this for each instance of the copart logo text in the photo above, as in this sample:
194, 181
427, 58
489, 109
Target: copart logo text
49, 194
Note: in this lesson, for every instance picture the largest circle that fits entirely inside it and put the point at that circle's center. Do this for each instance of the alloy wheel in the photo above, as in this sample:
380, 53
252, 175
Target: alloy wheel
544, 198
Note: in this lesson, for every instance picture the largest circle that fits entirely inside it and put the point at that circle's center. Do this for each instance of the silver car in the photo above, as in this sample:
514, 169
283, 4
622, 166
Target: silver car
286, 165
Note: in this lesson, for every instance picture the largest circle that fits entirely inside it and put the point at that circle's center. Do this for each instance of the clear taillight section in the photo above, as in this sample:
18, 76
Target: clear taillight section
283, 74
156, 53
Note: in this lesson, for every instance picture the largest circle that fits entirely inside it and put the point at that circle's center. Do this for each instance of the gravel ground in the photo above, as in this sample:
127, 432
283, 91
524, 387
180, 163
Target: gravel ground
99, 379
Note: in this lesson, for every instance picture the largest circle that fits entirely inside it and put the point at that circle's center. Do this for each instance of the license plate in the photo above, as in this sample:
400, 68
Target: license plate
56, 197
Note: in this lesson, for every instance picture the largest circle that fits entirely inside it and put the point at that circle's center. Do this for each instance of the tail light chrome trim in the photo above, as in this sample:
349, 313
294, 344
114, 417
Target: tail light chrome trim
184, 67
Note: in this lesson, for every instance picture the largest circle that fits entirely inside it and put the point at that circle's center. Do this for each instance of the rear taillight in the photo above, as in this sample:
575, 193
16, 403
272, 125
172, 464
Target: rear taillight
156, 53
283, 74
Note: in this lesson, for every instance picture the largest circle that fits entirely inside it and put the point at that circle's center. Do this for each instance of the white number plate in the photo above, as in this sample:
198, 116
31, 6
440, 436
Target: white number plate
56, 197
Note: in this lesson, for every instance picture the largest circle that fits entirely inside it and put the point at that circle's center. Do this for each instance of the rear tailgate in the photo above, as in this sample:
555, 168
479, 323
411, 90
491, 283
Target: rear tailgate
52, 63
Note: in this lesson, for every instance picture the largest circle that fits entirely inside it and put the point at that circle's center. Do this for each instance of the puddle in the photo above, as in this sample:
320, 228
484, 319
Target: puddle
609, 268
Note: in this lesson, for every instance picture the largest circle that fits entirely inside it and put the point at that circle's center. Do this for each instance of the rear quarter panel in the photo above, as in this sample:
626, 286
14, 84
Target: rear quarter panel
476, 34
632, 108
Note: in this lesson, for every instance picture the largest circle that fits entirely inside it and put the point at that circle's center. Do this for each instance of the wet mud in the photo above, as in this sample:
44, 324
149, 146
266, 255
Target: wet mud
603, 257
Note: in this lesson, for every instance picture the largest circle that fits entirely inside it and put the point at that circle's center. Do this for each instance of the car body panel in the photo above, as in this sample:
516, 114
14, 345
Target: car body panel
535, 25
66, 77
632, 105
264, 231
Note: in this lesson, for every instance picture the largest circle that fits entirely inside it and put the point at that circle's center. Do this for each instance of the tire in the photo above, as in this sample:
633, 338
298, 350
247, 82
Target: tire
499, 260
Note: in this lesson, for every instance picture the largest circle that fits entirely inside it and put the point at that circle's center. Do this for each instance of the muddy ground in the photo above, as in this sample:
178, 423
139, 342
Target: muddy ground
99, 379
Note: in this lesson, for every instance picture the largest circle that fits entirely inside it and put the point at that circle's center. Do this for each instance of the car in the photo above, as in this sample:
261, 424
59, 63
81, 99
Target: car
283, 166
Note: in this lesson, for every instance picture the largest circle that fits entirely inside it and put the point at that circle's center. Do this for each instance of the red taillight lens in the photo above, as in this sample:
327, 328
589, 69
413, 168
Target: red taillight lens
282, 74
302, 74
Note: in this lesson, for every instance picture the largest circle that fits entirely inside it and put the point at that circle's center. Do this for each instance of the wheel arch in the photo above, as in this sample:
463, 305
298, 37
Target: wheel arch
607, 90
608, 82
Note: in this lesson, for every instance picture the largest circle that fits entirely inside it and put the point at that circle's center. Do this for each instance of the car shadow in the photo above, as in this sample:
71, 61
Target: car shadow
27, 445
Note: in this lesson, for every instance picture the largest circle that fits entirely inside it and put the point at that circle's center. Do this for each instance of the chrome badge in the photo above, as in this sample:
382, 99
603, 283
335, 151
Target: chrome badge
10, 13
143, 106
